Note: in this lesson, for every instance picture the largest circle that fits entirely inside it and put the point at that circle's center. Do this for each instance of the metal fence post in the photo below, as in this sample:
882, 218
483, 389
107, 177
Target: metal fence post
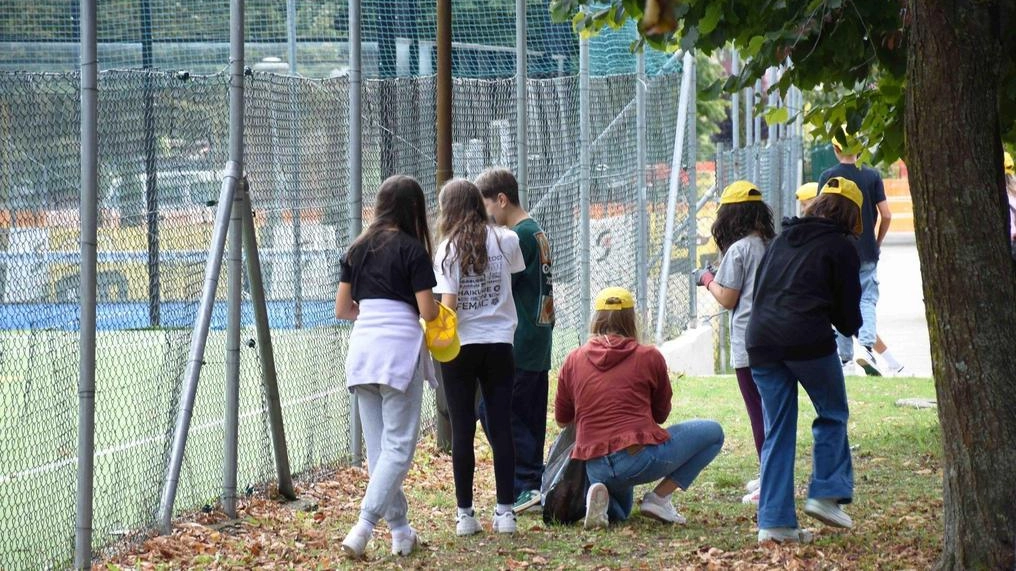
692, 197
88, 242
585, 171
642, 243
231, 417
735, 100
521, 103
355, 188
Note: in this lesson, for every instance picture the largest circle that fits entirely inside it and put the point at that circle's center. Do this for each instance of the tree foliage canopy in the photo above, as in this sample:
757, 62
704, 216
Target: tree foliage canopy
857, 44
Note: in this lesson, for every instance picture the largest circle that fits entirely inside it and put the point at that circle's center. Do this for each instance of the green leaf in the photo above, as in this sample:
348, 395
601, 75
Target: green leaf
618, 16
633, 9
560, 10
711, 18
754, 45
776, 115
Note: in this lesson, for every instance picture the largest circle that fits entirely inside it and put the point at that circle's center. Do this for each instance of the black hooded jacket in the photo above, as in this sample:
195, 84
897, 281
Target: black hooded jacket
807, 283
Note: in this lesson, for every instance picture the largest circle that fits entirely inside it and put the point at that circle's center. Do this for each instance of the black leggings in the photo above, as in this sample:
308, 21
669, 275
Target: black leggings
492, 365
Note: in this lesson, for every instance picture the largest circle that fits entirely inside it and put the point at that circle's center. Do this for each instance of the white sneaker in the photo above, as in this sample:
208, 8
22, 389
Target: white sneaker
785, 535
662, 511
751, 497
405, 545
597, 502
355, 544
466, 524
869, 362
504, 523
828, 512
753, 485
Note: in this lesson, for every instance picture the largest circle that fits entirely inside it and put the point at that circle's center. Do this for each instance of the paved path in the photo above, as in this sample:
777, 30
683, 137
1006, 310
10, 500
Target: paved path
901, 318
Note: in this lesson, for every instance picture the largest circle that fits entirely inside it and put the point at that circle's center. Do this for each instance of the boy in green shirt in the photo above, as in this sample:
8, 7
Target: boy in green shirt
534, 302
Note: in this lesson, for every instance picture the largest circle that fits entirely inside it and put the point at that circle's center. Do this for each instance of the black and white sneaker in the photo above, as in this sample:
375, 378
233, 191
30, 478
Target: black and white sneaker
869, 363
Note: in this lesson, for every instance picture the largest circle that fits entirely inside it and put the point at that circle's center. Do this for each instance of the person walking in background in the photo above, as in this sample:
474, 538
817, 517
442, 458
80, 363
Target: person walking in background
1010, 188
875, 220
808, 283
891, 366
385, 288
474, 264
534, 303
742, 230
617, 392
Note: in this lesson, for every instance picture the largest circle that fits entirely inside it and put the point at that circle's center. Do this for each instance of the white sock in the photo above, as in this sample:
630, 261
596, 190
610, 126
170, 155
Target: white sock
502, 509
466, 511
402, 531
890, 360
658, 499
363, 527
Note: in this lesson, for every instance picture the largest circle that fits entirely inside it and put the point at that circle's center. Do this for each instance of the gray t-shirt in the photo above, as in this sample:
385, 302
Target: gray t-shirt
737, 271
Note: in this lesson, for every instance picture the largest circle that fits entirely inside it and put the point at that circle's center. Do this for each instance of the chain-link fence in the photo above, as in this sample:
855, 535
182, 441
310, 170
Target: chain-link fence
162, 146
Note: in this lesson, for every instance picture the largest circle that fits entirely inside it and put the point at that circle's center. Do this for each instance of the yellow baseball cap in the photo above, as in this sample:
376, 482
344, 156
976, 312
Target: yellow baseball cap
614, 298
847, 189
1007, 163
740, 191
807, 191
441, 334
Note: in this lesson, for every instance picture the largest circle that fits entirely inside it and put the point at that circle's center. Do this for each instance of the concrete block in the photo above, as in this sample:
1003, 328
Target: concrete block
691, 353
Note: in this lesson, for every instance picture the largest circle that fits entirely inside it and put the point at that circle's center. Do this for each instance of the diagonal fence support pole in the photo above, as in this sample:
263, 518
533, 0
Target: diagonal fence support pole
199, 339
687, 71
265, 350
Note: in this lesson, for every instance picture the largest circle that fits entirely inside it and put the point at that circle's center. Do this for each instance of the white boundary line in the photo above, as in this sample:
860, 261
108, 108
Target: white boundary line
54, 466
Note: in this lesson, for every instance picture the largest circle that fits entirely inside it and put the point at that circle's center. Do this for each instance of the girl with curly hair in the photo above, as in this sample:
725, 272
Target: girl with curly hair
743, 228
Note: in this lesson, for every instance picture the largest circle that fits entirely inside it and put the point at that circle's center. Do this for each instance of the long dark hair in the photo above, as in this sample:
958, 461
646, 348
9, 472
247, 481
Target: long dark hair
400, 206
464, 223
737, 220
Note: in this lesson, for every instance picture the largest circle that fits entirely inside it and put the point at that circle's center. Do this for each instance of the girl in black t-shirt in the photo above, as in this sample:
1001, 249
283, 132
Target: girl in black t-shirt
385, 287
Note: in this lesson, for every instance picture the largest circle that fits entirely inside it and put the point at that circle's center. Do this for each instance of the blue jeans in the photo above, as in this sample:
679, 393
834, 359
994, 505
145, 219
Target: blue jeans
869, 299
832, 469
529, 427
692, 446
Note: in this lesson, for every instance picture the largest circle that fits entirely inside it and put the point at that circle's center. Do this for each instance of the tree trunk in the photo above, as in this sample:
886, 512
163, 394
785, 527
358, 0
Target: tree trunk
954, 159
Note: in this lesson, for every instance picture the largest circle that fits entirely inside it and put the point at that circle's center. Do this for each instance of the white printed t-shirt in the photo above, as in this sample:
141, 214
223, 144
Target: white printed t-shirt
485, 307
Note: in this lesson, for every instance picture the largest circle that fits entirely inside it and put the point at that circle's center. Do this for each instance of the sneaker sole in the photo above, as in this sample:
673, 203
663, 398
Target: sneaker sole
822, 517
596, 514
404, 550
802, 537
869, 369
351, 553
660, 519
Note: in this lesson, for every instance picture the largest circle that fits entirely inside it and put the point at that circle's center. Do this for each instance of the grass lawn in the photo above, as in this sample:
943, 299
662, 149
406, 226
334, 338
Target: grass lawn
897, 507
